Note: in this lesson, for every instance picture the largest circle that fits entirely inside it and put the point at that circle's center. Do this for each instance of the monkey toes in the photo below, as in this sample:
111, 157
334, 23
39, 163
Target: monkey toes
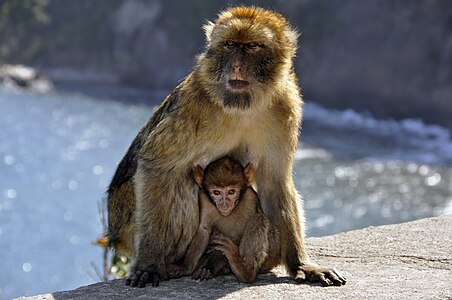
202, 274
176, 271
324, 275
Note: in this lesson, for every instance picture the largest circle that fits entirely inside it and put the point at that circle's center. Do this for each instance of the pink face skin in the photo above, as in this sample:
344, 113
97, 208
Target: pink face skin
225, 198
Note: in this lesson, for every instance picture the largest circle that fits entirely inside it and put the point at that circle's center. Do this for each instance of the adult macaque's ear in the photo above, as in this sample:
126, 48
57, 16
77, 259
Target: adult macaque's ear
250, 173
198, 174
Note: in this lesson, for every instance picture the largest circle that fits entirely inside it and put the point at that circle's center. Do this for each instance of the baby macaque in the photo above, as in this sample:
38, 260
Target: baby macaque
233, 223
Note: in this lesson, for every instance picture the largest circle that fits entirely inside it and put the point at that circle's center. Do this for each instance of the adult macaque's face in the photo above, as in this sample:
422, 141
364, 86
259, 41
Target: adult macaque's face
243, 58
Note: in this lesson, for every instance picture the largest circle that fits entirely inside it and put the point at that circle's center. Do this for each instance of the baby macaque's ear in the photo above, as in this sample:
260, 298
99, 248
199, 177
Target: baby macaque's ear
250, 173
198, 175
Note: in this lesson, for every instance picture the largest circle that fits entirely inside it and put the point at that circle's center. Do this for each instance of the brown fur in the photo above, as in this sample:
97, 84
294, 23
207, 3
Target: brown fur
196, 125
223, 172
250, 242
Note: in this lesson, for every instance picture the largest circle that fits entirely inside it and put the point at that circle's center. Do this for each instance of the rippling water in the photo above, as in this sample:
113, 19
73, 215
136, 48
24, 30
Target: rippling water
59, 151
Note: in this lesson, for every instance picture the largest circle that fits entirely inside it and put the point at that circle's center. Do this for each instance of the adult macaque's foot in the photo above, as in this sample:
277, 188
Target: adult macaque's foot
324, 275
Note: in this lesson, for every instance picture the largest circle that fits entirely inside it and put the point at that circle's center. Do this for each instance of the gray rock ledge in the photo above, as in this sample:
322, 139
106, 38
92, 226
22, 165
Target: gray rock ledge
404, 261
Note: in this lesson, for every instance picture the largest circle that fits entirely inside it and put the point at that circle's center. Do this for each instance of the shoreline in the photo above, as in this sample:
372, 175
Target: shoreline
102, 85
434, 141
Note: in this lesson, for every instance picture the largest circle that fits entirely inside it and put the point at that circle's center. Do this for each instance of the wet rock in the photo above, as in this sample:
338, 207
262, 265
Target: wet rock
20, 77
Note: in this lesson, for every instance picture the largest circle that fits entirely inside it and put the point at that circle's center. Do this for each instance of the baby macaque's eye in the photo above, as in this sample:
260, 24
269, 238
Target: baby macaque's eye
216, 192
231, 192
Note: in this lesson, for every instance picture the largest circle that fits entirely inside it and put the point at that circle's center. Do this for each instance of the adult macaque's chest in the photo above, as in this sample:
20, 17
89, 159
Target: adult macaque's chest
245, 137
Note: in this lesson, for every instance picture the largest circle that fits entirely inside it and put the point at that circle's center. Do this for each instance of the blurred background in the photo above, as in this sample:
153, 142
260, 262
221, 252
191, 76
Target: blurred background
78, 79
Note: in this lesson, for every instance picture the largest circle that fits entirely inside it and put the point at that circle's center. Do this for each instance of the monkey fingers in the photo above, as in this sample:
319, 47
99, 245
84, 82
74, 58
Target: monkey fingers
155, 280
225, 245
324, 275
137, 279
140, 278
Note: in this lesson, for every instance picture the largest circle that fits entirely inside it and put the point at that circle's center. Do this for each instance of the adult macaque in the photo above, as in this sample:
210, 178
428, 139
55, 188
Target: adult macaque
241, 99
244, 234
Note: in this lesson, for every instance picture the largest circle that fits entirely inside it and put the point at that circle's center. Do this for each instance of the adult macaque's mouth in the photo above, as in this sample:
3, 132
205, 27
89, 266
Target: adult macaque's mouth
238, 84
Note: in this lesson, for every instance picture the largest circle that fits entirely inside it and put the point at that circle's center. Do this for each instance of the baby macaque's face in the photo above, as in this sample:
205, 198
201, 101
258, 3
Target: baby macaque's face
225, 198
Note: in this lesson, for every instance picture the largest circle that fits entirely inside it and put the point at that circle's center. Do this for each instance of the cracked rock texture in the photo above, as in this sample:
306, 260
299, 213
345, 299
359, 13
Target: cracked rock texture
403, 261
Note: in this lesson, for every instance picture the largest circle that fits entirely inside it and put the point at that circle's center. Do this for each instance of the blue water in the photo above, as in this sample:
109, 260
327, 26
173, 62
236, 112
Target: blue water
58, 152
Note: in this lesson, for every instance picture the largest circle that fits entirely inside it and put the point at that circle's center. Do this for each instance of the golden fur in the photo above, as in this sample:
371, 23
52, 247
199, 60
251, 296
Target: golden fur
194, 126
249, 240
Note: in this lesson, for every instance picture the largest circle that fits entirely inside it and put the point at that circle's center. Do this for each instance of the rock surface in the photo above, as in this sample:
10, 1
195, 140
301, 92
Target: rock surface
404, 261
20, 77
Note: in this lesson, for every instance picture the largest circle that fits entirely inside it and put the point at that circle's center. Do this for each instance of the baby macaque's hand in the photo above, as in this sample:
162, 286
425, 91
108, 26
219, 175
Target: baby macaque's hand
226, 246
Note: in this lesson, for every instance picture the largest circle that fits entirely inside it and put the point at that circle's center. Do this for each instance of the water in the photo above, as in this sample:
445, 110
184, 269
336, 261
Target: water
59, 151
356, 171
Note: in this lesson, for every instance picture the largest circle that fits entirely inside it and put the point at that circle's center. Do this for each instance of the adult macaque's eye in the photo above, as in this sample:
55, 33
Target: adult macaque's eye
229, 45
216, 192
253, 46
231, 192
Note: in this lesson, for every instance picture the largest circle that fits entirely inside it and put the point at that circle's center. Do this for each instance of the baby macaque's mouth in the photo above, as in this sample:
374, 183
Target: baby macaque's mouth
238, 84
225, 211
